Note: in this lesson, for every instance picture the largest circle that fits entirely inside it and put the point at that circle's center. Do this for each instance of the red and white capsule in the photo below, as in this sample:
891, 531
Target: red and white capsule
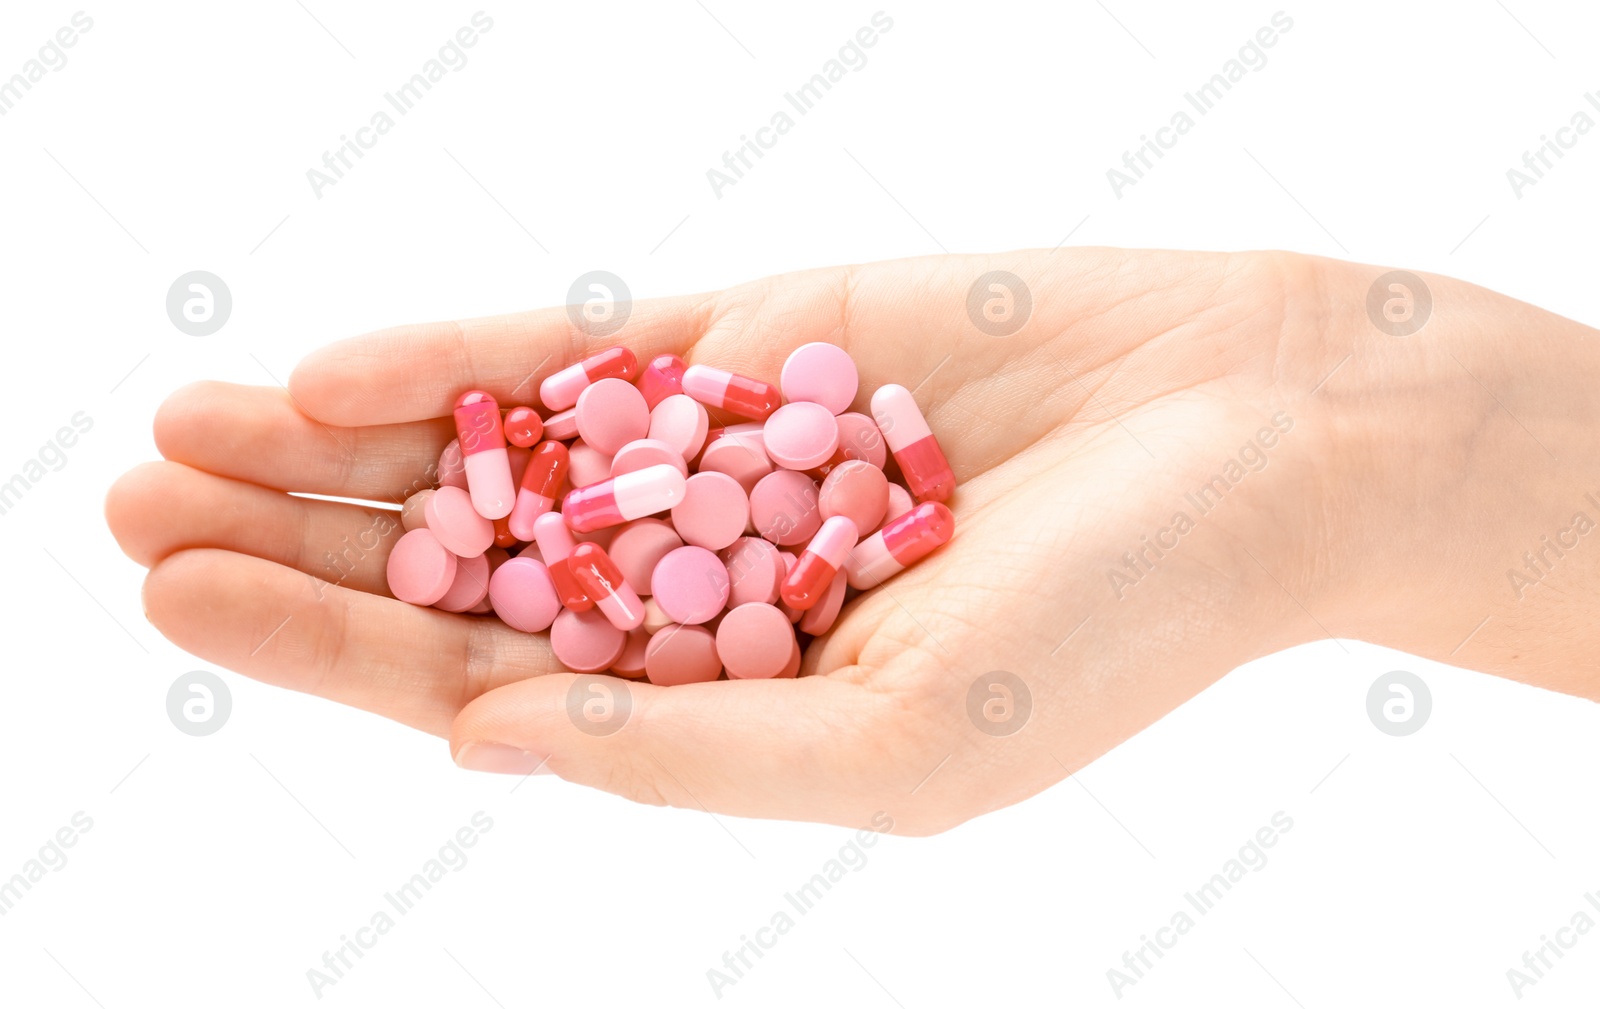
541, 487
912, 443
747, 397
661, 378
601, 580
899, 544
621, 498
556, 545
807, 583
484, 455
560, 391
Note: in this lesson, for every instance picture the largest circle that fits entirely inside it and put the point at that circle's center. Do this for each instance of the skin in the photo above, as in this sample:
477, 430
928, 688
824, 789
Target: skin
1405, 477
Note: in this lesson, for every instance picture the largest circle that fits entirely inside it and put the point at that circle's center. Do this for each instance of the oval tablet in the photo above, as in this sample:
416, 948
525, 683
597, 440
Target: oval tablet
690, 584
800, 435
713, 512
457, 524
755, 642
611, 413
682, 653
586, 642
820, 373
523, 594
420, 569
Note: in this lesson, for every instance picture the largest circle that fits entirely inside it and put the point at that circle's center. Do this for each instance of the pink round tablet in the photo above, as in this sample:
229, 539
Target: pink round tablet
586, 464
739, 456
469, 587
792, 668
680, 422
411, 513
638, 547
800, 435
420, 569
755, 571
859, 438
611, 413
713, 512
900, 502
690, 584
562, 426
655, 617
631, 664
819, 618
586, 642
457, 524
523, 594
452, 471
783, 507
857, 490
820, 373
682, 653
645, 452
754, 642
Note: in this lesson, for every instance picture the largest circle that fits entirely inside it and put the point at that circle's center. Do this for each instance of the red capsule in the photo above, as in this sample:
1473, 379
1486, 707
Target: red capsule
601, 580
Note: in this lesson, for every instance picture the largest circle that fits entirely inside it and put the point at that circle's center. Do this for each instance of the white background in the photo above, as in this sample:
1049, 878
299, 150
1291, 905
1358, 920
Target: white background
219, 869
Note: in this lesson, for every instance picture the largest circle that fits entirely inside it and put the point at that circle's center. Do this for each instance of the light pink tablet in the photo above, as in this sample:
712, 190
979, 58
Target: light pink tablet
755, 571
452, 518
586, 464
452, 471
690, 584
800, 435
713, 512
469, 587
643, 453
586, 642
420, 569
411, 514
819, 618
562, 426
783, 507
900, 502
857, 490
611, 413
755, 642
680, 422
523, 595
638, 547
792, 669
655, 617
738, 455
682, 653
631, 664
820, 373
859, 438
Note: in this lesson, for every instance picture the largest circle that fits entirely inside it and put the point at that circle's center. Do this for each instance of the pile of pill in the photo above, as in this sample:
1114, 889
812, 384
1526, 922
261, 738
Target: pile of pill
681, 551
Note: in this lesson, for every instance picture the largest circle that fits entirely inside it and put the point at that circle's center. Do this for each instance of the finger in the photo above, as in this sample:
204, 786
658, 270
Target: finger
258, 435
414, 665
159, 508
814, 748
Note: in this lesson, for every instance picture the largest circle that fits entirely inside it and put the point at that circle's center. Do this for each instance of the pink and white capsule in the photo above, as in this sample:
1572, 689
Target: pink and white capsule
808, 582
622, 498
922, 461
484, 455
747, 397
899, 544
560, 391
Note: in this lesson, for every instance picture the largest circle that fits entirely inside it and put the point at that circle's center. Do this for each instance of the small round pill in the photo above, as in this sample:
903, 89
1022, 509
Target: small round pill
420, 569
655, 617
783, 507
523, 594
820, 373
631, 664
792, 668
411, 513
859, 438
680, 422
638, 547
900, 502
800, 435
586, 642
523, 426
682, 653
739, 456
642, 453
457, 524
714, 511
690, 584
754, 641
469, 587
611, 413
755, 571
857, 490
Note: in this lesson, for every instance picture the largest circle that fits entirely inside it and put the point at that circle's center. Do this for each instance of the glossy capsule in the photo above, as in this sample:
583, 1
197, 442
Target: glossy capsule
601, 580
556, 545
621, 498
541, 487
747, 397
808, 581
560, 391
484, 455
899, 544
911, 441
661, 378
523, 426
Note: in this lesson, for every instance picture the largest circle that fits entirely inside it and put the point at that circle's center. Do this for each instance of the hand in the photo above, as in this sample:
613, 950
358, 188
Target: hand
1248, 393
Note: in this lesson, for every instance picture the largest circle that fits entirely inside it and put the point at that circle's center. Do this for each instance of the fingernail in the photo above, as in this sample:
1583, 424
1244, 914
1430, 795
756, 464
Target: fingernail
497, 758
